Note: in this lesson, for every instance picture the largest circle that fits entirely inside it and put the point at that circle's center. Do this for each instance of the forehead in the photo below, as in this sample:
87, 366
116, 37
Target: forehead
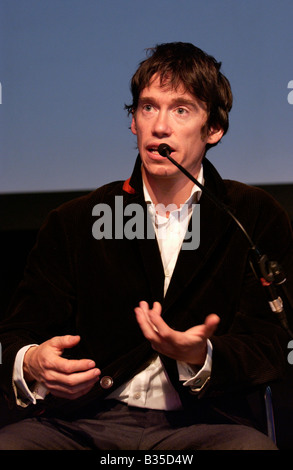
164, 88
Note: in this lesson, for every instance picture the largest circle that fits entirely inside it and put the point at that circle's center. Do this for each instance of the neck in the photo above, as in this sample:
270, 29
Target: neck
172, 190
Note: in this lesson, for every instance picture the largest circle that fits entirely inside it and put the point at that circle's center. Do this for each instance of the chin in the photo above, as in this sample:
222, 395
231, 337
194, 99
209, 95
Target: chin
162, 173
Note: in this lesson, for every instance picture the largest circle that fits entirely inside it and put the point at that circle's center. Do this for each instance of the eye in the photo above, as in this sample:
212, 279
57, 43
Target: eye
147, 107
181, 111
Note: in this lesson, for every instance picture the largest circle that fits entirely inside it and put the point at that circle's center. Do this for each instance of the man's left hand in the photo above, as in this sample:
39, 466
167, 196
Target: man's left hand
189, 346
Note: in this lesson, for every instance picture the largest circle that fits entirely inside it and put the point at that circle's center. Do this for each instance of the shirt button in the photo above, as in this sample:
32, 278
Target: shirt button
137, 395
106, 382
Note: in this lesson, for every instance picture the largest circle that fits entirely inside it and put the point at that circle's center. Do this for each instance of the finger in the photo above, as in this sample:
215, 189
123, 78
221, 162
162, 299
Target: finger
144, 322
70, 366
70, 391
151, 314
207, 329
71, 380
143, 309
157, 308
144, 306
157, 321
143, 318
70, 384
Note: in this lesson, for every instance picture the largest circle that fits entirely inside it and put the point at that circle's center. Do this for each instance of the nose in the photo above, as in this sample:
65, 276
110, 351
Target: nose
161, 125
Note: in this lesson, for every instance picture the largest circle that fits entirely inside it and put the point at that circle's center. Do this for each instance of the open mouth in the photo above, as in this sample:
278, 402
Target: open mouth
154, 150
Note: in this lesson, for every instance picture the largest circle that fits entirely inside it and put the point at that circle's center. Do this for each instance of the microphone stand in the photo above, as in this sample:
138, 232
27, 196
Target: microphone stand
269, 273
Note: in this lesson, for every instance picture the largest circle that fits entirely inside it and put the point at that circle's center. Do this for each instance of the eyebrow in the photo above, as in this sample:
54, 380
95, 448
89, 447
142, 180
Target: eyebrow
174, 102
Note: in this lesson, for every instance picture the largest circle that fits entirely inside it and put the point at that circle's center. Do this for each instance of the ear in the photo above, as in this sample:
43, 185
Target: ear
133, 126
214, 135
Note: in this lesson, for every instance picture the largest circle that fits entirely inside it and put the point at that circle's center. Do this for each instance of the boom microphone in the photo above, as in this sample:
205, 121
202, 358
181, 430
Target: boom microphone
165, 151
267, 272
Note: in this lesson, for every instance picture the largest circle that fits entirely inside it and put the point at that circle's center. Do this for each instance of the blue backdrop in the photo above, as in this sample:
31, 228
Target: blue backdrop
65, 67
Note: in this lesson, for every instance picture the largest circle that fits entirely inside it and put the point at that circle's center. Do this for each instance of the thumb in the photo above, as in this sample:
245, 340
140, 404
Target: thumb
211, 324
65, 342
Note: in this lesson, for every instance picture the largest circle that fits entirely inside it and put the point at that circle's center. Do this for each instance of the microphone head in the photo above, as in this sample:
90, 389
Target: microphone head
164, 150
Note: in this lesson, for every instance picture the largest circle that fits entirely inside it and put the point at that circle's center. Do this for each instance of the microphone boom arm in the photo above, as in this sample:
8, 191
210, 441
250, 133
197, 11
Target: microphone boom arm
267, 272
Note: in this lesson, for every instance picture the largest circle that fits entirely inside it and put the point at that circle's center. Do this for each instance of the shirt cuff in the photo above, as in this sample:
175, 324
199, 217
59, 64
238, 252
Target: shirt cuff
196, 380
23, 394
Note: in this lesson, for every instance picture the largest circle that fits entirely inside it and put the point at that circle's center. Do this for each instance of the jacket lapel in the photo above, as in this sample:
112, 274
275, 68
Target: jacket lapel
147, 245
190, 263
153, 267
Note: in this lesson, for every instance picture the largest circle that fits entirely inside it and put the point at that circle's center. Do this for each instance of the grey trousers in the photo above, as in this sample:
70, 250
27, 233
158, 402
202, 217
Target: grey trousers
121, 427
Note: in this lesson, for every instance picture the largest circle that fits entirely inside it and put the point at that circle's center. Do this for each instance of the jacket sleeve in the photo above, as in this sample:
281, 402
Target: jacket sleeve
43, 304
253, 350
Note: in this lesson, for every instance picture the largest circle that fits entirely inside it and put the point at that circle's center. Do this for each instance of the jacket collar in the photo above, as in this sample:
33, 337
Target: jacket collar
134, 185
213, 180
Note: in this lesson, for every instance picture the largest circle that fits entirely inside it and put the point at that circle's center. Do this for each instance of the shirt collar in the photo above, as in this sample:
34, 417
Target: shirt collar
194, 195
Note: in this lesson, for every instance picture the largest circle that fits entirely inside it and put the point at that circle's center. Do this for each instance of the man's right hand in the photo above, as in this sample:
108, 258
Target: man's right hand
65, 378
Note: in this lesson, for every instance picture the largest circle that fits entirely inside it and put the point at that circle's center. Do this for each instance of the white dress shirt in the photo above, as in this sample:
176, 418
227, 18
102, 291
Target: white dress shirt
150, 388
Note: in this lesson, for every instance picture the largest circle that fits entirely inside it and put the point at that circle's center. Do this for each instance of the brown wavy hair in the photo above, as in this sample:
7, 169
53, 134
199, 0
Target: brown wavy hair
180, 63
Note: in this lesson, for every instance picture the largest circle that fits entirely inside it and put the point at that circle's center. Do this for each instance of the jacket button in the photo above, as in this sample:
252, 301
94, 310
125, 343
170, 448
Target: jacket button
106, 382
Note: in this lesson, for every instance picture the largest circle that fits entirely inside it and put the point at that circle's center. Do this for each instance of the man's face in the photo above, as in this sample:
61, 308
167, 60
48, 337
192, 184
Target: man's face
174, 117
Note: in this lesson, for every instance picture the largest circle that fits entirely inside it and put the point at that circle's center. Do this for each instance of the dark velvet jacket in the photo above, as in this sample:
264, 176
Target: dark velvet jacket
76, 284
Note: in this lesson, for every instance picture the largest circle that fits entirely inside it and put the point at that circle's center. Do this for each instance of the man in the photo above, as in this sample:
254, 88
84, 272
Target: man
118, 340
